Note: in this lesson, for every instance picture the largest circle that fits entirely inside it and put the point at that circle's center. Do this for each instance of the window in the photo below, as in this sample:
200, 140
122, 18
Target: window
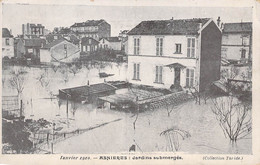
65, 46
224, 52
191, 47
84, 48
136, 71
55, 37
136, 46
189, 77
178, 48
158, 74
159, 46
243, 53
88, 48
245, 40
7, 41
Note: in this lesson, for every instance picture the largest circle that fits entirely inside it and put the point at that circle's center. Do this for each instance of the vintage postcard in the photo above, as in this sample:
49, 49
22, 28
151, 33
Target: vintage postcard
111, 82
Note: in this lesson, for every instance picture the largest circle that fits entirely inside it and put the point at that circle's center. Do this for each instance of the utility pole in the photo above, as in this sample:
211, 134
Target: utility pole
52, 143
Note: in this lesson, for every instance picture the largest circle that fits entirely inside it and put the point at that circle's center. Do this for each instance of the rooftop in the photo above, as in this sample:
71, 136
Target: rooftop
89, 40
90, 89
169, 27
53, 43
111, 39
88, 23
6, 33
35, 42
237, 27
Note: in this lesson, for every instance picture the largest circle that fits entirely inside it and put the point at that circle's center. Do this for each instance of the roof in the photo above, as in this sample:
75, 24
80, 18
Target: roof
88, 23
90, 89
175, 65
34, 42
6, 33
169, 27
237, 27
50, 37
85, 40
111, 39
53, 43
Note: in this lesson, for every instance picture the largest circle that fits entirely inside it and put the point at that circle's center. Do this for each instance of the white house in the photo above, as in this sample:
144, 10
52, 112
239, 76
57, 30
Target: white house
110, 43
7, 43
174, 53
59, 51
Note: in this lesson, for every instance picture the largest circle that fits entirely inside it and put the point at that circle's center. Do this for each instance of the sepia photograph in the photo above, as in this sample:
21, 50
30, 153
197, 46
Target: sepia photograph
93, 79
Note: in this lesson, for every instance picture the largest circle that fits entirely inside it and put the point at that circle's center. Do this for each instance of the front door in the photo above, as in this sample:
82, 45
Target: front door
177, 77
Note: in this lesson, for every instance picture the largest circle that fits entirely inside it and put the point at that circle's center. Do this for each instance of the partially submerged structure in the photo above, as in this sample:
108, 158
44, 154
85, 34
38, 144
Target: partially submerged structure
87, 93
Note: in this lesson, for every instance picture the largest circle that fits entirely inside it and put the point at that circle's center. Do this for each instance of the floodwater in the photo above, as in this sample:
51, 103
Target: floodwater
206, 136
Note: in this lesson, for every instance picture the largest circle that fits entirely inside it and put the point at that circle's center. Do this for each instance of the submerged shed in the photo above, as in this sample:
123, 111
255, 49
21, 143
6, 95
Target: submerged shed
87, 93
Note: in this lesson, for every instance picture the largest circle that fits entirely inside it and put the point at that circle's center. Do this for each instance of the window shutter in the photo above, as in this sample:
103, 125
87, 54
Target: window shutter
187, 77
138, 46
138, 71
191, 77
157, 46
161, 46
156, 74
134, 71
188, 47
161, 72
134, 45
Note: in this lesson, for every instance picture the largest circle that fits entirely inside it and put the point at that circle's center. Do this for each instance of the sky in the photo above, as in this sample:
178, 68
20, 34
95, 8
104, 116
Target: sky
119, 17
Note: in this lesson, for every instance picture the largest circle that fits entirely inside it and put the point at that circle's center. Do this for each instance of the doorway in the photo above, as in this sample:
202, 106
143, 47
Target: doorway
177, 76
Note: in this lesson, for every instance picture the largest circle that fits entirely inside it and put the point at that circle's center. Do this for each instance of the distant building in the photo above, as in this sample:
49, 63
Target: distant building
7, 43
58, 51
33, 30
92, 28
32, 47
112, 43
123, 37
19, 49
237, 42
88, 45
175, 53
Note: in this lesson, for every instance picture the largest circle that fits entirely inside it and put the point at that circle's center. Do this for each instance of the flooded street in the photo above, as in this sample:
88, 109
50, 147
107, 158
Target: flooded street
40, 101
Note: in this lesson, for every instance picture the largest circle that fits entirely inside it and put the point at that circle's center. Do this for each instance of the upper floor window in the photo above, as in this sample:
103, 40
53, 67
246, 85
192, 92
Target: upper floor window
65, 46
159, 46
189, 77
7, 41
191, 47
245, 40
243, 53
178, 48
158, 74
136, 46
136, 71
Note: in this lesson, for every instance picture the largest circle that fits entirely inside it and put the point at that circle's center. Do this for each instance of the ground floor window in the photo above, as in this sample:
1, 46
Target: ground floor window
136, 71
158, 74
189, 77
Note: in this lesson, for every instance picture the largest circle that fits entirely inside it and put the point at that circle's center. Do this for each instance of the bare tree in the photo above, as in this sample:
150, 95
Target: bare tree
17, 80
234, 117
173, 136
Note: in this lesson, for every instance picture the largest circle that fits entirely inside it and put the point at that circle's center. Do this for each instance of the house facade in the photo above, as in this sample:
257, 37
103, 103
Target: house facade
7, 43
237, 42
112, 43
88, 45
174, 53
59, 51
92, 28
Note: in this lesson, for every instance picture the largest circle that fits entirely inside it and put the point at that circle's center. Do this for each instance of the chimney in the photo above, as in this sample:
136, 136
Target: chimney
11, 31
222, 26
172, 18
218, 21
88, 82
